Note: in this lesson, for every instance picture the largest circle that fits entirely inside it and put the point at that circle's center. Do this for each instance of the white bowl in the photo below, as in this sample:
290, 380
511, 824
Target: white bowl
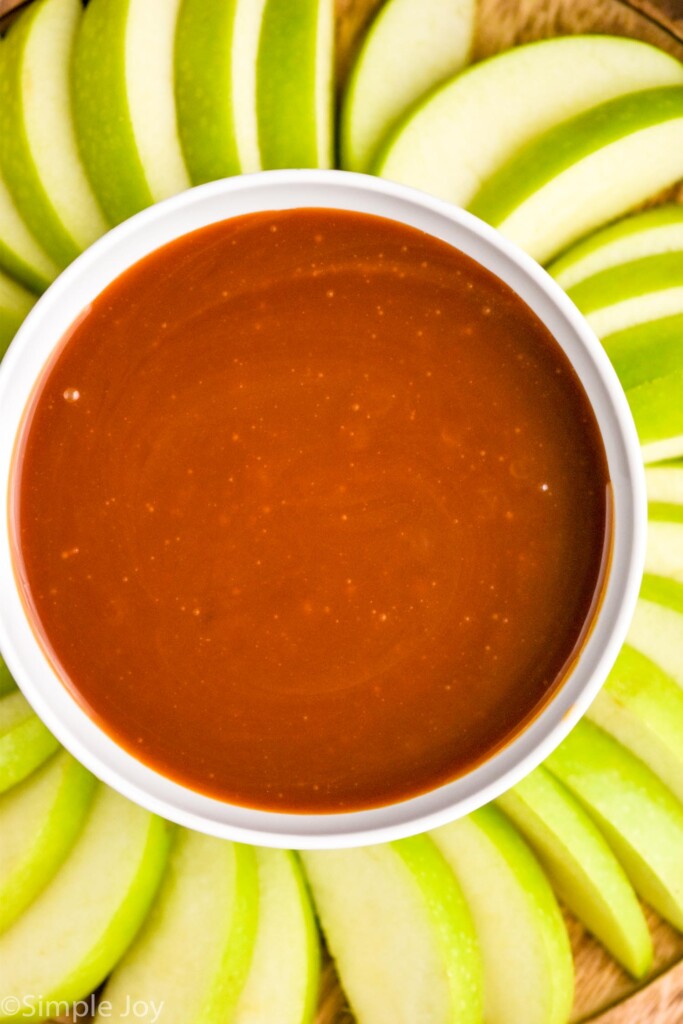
129, 242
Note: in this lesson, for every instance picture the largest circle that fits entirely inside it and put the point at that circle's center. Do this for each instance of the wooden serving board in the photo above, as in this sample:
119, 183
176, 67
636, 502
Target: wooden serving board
604, 993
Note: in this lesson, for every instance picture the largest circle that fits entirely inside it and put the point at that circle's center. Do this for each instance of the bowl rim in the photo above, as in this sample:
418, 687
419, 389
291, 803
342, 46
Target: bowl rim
121, 247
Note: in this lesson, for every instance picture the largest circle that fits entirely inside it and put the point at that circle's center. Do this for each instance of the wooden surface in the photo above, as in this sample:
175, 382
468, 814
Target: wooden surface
604, 994
658, 1003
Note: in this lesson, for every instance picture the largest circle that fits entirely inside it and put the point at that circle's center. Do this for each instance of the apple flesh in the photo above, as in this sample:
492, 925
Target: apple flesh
25, 743
636, 309
295, 84
642, 708
643, 234
586, 171
7, 684
215, 82
21, 256
658, 413
527, 959
664, 555
282, 984
40, 820
639, 816
460, 136
657, 625
38, 148
665, 482
647, 351
581, 867
412, 46
632, 293
400, 932
124, 106
68, 940
193, 954
15, 303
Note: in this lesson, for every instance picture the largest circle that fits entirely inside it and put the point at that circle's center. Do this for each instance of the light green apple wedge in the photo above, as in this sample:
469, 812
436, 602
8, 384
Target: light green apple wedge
462, 134
412, 46
21, 256
647, 358
642, 708
658, 413
25, 743
68, 940
192, 957
665, 481
657, 626
639, 816
647, 351
629, 294
581, 867
7, 684
124, 106
664, 555
38, 148
39, 822
295, 84
282, 984
586, 171
216, 53
400, 933
643, 234
527, 959
15, 303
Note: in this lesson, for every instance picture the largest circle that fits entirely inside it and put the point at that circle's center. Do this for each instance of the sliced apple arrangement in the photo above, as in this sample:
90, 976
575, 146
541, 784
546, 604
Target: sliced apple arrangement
107, 110
15, 302
628, 282
25, 743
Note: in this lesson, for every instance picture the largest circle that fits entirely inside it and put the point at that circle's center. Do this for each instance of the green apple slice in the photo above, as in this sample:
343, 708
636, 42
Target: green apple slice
638, 815
38, 147
71, 936
665, 482
469, 128
124, 106
581, 867
15, 302
527, 959
644, 234
20, 254
631, 293
282, 984
39, 823
658, 413
657, 626
215, 81
642, 707
412, 46
647, 358
647, 351
25, 743
586, 171
400, 932
294, 84
192, 956
7, 684
664, 556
